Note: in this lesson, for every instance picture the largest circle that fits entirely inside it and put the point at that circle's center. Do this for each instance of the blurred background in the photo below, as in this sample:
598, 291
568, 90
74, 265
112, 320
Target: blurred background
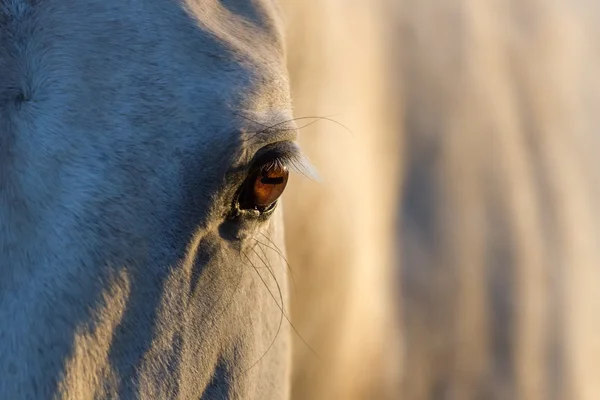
450, 249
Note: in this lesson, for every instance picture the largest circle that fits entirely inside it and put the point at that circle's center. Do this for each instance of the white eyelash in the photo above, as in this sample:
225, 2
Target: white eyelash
297, 162
302, 165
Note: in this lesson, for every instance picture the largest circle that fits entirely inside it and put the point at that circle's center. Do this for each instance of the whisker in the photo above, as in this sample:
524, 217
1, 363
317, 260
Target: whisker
262, 245
280, 317
266, 258
276, 249
282, 310
270, 269
265, 283
315, 118
250, 119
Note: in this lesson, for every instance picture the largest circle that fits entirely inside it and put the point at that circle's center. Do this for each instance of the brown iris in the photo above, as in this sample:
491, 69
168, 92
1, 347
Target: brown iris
268, 185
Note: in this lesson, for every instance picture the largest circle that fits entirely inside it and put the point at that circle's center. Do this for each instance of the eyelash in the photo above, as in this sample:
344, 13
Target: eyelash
285, 154
277, 160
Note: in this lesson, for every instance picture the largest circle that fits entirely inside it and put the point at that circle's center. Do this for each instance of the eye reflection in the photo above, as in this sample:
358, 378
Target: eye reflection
268, 185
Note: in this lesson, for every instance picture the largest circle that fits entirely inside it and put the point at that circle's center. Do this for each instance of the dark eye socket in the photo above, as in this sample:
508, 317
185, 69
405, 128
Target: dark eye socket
264, 187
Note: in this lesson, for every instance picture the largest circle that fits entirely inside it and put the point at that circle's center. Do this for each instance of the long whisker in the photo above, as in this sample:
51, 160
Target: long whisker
270, 269
280, 318
251, 120
265, 260
315, 118
262, 249
280, 253
282, 310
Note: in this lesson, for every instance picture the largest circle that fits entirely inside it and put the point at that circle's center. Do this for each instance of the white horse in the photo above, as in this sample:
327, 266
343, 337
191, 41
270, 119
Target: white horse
144, 146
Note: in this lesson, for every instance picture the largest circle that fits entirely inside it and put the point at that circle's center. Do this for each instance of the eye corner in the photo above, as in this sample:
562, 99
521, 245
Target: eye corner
256, 213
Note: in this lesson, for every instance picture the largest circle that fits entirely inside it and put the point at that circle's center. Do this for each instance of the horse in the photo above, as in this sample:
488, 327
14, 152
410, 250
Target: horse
144, 147
148, 249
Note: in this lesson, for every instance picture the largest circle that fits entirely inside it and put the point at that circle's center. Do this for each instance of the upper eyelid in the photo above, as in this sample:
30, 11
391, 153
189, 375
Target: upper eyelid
288, 154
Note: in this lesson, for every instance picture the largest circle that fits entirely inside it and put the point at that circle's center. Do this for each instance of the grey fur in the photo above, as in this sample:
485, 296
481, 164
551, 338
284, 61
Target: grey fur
122, 126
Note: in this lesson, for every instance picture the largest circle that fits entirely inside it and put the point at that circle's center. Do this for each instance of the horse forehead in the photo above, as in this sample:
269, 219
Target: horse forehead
138, 70
232, 44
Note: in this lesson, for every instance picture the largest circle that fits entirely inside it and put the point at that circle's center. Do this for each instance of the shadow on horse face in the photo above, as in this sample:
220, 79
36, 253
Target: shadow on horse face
127, 132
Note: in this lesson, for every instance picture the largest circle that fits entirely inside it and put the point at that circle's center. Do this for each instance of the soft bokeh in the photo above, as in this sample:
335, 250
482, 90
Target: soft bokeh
451, 248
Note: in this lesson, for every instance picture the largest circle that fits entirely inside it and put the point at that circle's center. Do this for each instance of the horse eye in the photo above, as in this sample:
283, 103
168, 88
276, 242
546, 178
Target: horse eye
264, 187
